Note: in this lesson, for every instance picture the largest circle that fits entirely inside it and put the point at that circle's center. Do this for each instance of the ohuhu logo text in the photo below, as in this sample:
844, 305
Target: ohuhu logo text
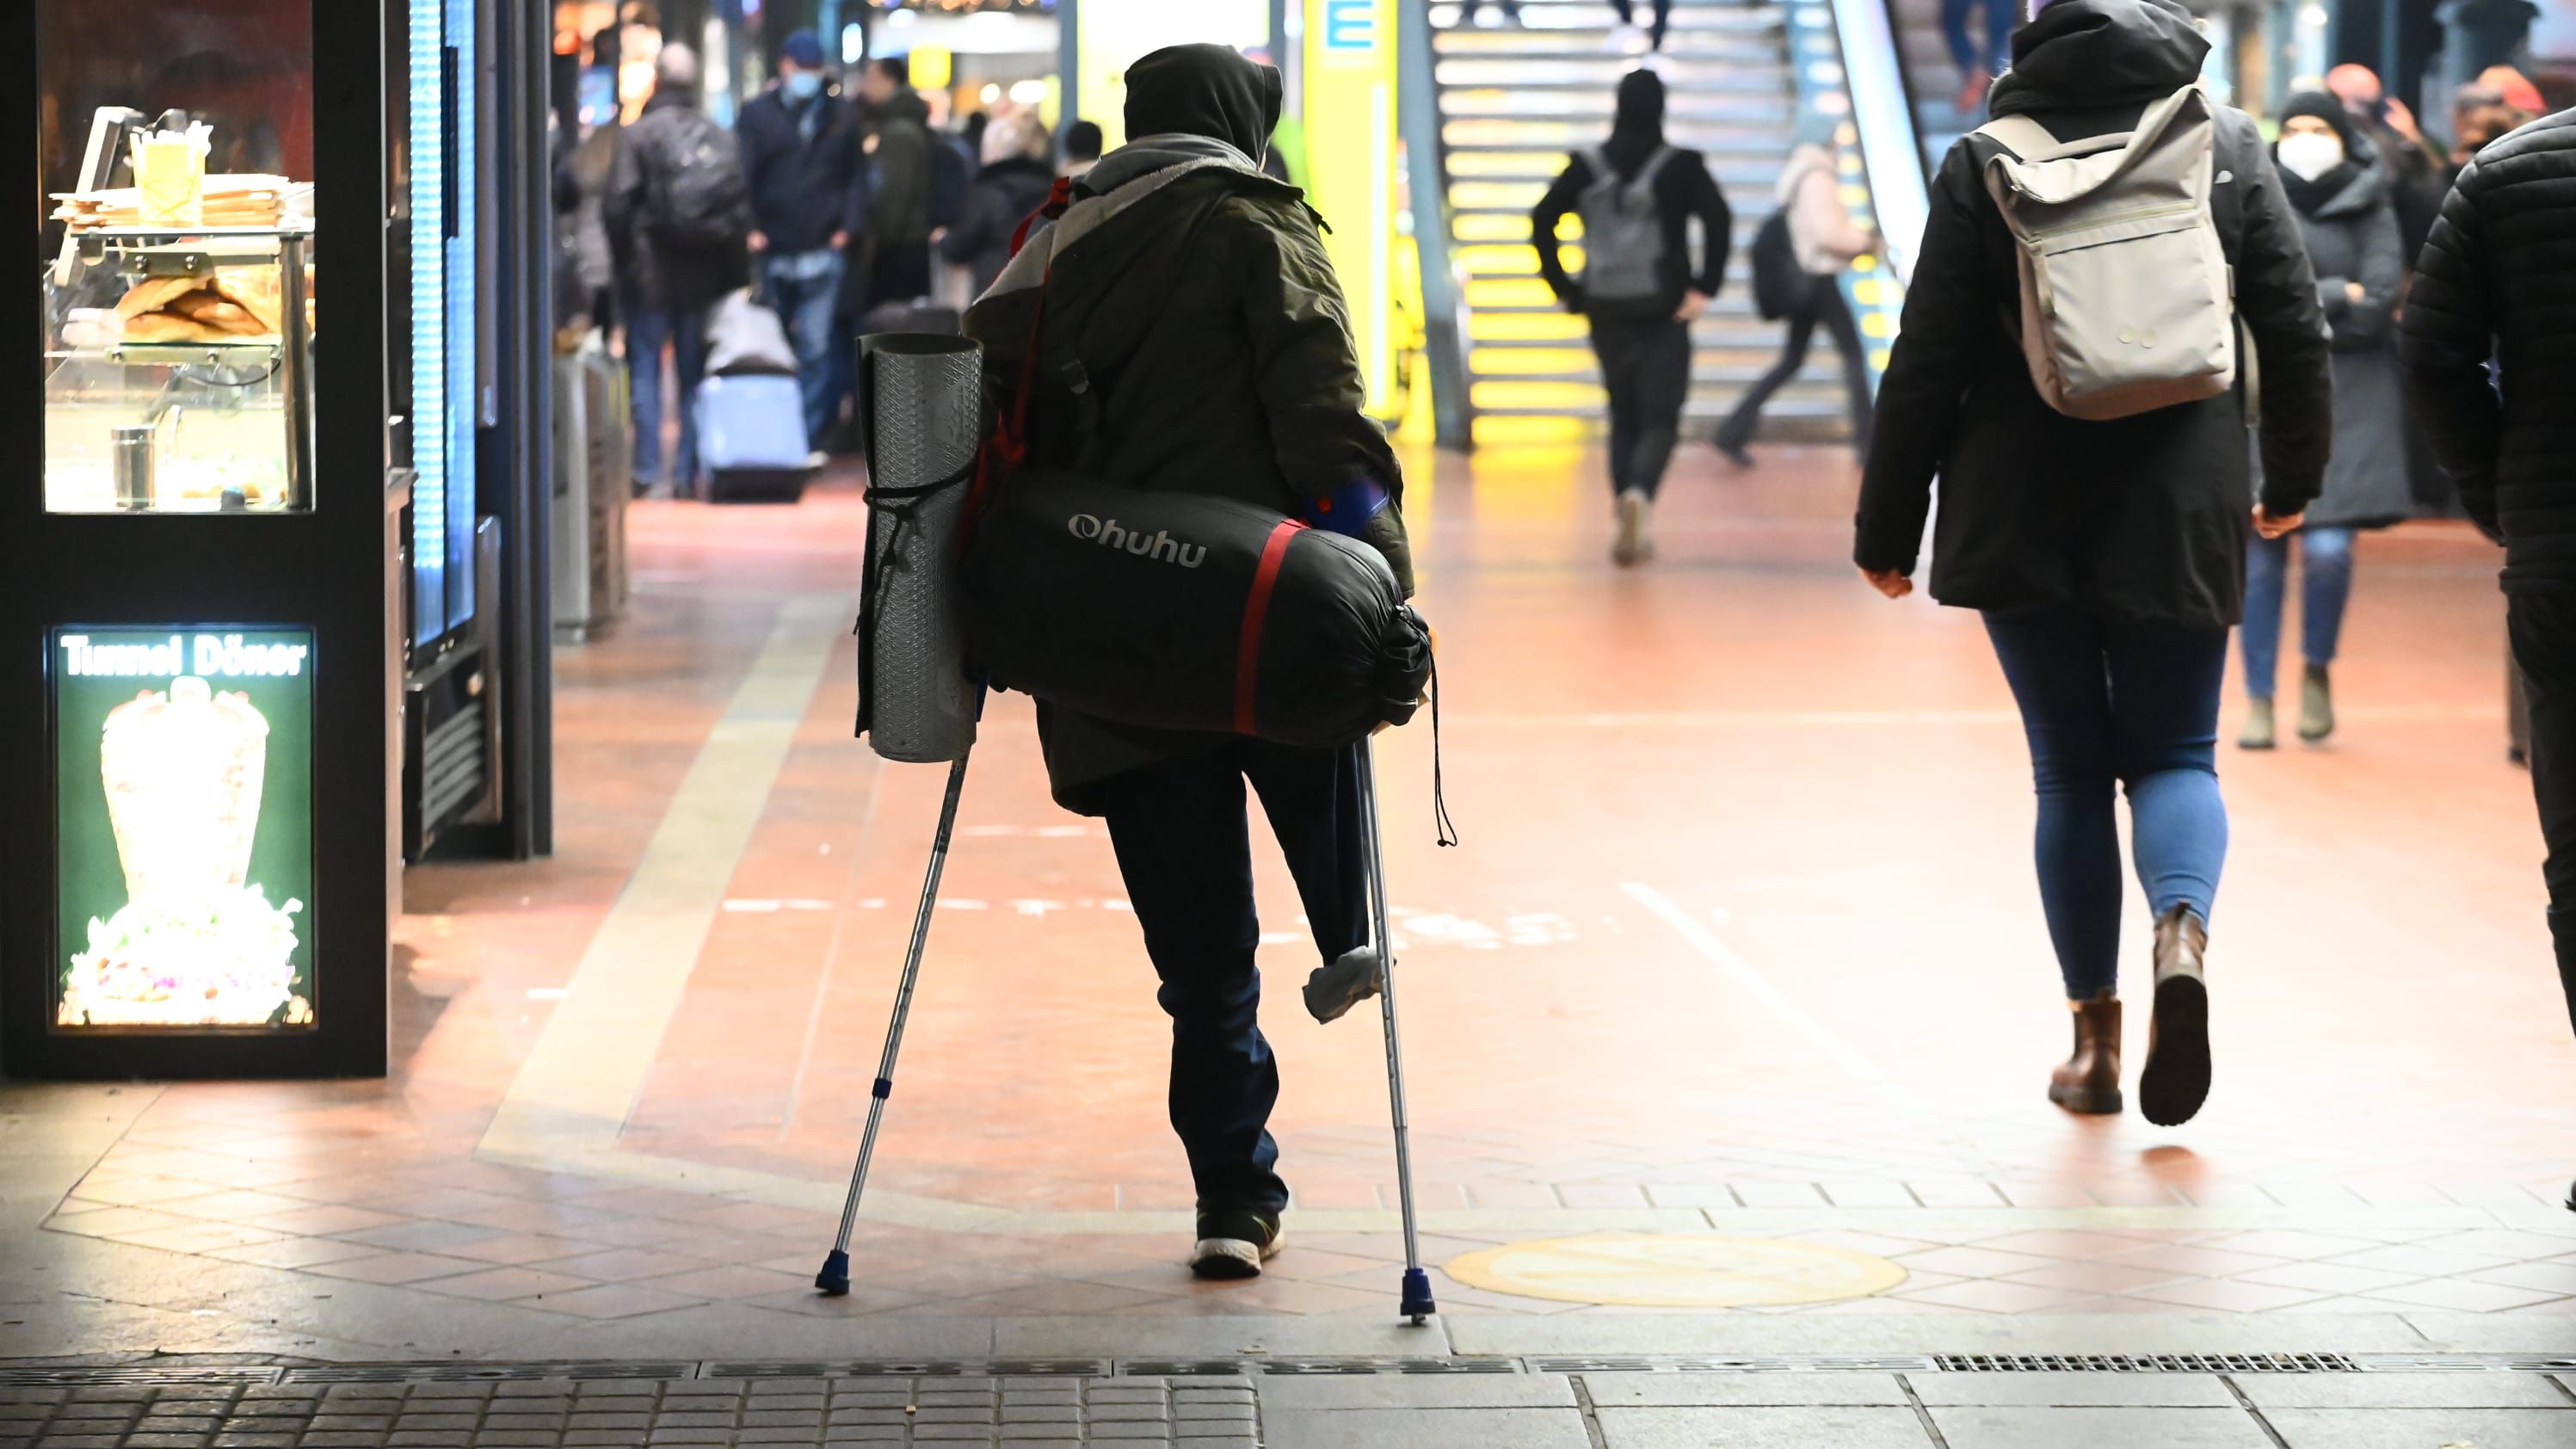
1157, 545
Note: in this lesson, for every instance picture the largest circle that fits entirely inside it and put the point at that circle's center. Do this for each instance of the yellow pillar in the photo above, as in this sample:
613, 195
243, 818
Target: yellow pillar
1350, 164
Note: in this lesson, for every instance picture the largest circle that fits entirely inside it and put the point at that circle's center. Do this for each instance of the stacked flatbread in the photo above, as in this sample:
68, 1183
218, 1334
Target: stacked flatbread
234, 304
233, 200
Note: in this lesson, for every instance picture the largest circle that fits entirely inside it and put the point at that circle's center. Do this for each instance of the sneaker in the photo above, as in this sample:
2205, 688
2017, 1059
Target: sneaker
2316, 706
1635, 543
2258, 732
1234, 1243
1354, 977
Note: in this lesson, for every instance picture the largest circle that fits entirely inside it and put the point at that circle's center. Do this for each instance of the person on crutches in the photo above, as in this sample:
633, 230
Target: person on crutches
1191, 336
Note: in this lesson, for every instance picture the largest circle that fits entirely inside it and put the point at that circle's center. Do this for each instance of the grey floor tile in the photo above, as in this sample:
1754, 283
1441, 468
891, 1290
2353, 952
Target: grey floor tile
1801, 1428
2404, 1391
2425, 1428
1417, 1391
2074, 1390
1425, 1429
2101, 1429
1742, 1390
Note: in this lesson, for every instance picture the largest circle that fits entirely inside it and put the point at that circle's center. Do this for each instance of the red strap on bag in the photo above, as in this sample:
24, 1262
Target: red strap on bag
1256, 611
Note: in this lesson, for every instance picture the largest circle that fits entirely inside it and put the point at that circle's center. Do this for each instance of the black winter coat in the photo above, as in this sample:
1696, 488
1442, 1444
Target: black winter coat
800, 184
1000, 198
2353, 236
2141, 518
1195, 339
648, 273
2498, 280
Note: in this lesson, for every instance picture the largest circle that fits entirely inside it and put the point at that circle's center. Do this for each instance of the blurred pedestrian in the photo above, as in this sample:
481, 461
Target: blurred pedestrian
1467, 11
1628, 35
1637, 197
2413, 165
800, 152
891, 213
678, 211
1823, 241
1979, 55
2339, 188
1081, 148
2489, 349
2106, 557
1014, 181
1198, 294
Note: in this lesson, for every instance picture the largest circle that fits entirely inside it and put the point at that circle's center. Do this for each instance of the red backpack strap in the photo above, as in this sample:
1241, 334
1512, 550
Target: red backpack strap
1057, 200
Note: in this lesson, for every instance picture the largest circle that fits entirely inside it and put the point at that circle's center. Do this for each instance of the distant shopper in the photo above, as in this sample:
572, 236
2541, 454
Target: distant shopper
2415, 182
1197, 300
1467, 11
1654, 38
679, 213
1823, 241
891, 215
1081, 148
1014, 182
2495, 286
1637, 197
1979, 55
2338, 186
2106, 557
800, 150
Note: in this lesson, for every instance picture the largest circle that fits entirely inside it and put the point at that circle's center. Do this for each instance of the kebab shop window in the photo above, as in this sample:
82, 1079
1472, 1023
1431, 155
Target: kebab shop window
176, 149
183, 815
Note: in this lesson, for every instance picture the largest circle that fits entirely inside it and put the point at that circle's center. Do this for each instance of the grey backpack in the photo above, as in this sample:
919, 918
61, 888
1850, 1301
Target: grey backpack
2127, 301
1623, 234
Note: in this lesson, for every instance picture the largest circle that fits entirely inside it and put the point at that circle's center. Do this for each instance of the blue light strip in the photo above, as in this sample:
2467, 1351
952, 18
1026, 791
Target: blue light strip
455, 538
432, 428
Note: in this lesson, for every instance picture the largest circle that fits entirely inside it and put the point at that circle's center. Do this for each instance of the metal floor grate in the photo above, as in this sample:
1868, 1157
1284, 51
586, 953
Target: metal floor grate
455, 1372
2148, 1363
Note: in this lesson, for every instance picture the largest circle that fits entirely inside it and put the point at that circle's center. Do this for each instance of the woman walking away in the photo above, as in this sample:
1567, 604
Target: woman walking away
1639, 290
2106, 557
1822, 241
2339, 187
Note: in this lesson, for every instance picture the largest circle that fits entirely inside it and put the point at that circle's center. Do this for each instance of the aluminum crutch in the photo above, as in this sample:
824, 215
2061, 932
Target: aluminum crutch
1417, 1304
834, 1280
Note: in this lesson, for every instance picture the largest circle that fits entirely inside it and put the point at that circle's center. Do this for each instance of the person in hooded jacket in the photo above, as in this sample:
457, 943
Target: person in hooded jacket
800, 153
2107, 558
1190, 335
1643, 343
1015, 179
2335, 182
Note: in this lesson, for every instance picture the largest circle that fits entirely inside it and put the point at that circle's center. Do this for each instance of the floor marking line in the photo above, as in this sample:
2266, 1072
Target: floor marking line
588, 1067
1753, 983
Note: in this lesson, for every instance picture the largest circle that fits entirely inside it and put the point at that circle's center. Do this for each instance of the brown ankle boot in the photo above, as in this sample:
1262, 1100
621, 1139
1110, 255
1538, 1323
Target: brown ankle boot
2175, 1080
2089, 1082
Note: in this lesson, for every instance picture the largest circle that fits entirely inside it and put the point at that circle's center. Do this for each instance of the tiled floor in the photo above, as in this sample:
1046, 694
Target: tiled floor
1741, 940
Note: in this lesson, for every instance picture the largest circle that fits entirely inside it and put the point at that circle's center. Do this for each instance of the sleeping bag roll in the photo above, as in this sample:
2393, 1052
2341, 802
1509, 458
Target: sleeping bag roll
925, 391
1183, 612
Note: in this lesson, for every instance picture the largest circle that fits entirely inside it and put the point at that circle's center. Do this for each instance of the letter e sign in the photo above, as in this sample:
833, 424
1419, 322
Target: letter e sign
1350, 24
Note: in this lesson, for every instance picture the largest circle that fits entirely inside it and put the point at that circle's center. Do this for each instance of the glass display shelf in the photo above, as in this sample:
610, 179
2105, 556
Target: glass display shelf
180, 376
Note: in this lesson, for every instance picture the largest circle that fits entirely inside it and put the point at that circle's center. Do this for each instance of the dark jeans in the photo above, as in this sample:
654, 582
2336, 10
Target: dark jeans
1645, 365
1663, 17
1823, 306
2001, 16
807, 298
648, 330
2325, 562
2544, 645
1184, 848
2106, 702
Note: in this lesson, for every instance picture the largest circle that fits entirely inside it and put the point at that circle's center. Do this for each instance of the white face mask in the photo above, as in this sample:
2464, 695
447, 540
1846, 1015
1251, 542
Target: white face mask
2309, 154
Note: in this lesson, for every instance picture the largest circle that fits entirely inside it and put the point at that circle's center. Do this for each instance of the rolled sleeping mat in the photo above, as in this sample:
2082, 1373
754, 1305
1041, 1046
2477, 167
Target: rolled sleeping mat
1179, 611
925, 405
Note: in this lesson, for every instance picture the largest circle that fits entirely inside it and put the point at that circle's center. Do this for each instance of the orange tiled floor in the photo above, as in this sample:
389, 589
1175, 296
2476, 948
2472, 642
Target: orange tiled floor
1741, 935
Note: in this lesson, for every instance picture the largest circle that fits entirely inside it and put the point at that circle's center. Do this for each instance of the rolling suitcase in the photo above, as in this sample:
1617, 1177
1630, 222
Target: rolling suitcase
751, 439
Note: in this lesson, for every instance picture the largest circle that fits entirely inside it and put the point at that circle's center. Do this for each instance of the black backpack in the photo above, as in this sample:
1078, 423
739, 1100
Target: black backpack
697, 196
1779, 283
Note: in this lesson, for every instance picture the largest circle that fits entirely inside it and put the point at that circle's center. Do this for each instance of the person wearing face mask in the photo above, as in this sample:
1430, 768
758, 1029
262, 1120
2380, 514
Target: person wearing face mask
2336, 186
800, 152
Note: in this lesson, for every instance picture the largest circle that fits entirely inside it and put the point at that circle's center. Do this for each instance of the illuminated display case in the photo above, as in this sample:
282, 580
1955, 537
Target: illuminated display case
204, 630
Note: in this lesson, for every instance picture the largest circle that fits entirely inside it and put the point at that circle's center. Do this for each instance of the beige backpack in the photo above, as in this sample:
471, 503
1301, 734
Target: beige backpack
2127, 301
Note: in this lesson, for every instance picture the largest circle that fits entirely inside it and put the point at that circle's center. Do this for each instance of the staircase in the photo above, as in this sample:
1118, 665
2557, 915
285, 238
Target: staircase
1513, 102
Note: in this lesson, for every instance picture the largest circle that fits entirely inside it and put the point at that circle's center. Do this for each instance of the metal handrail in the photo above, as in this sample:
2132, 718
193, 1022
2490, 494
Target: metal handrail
1882, 112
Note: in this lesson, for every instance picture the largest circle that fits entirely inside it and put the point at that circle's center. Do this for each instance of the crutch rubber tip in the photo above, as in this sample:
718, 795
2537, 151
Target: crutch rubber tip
834, 1280
1417, 1296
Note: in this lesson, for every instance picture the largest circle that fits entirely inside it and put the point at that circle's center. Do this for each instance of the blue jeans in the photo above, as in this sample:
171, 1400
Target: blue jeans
2001, 16
1184, 849
648, 329
805, 291
2106, 702
2327, 564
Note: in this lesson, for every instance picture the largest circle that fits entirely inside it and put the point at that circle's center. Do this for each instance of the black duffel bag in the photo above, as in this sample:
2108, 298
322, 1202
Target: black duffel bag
1179, 611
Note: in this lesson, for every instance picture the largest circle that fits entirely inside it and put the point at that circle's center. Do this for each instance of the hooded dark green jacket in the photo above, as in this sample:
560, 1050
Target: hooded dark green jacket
1194, 338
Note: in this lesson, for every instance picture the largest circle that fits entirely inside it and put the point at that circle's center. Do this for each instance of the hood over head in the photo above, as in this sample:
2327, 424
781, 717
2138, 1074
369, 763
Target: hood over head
1204, 90
1637, 127
2093, 53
